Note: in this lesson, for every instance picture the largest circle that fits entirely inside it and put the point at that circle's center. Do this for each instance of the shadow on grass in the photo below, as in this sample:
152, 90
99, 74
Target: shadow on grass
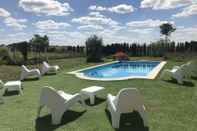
185, 83
129, 122
11, 93
50, 74
31, 79
44, 123
194, 77
97, 101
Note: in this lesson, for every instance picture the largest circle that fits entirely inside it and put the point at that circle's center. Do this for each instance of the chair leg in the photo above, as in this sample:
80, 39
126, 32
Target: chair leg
141, 111
115, 120
82, 103
39, 110
20, 90
56, 117
179, 80
92, 99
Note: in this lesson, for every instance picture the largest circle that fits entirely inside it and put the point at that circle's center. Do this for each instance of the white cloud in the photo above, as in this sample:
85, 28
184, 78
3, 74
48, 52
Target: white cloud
164, 4
96, 14
187, 11
149, 23
95, 19
185, 34
10, 21
90, 27
50, 25
120, 9
48, 7
97, 8
15, 23
4, 13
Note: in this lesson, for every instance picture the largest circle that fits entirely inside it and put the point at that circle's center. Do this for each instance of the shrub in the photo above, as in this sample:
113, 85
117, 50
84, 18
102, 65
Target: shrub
4, 56
121, 56
94, 46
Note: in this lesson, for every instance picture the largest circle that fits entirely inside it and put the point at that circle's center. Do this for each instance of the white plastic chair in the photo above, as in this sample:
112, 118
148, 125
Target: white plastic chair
46, 68
176, 73
58, 102
25, 72
127, 100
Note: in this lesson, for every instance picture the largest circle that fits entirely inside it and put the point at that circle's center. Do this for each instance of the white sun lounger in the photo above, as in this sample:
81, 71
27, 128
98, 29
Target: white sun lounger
176, 73
25, 72
46, 68
58, 102
127, 100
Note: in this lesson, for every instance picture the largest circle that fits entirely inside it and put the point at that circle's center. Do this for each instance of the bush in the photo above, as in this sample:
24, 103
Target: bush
121, 56
4, 56
94, 47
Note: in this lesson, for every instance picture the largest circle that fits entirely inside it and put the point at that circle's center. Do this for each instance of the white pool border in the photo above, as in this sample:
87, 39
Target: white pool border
151, 75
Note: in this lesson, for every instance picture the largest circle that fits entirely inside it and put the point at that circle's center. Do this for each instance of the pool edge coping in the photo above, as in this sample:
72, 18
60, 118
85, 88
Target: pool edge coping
151, 75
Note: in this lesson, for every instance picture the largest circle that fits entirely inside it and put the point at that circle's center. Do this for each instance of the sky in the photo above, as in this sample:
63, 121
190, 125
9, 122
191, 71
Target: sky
71, 22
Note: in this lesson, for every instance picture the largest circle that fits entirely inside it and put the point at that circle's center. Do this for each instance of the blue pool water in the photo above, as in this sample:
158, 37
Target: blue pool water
121, 69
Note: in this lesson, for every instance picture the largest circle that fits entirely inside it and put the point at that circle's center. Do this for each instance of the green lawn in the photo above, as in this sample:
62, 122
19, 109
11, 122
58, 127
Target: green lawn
170, 107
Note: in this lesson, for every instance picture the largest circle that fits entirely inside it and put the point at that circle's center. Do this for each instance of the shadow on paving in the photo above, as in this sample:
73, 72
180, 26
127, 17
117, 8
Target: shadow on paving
44, 123
129, 122
97, 101
185, 83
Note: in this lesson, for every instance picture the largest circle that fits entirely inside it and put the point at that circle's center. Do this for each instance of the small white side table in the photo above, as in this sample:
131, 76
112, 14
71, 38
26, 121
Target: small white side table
13, 86
91, 92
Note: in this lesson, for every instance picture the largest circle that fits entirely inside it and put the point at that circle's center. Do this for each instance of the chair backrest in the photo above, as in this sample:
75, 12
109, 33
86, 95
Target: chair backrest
50, 98
24, 68
46, 64
184, 69
128, 99
191, 64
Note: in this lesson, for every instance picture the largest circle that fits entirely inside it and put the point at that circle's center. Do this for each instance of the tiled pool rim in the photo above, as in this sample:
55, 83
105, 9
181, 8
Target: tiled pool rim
151, 75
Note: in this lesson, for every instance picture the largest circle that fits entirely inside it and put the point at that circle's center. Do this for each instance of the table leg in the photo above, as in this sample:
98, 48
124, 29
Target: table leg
92, 99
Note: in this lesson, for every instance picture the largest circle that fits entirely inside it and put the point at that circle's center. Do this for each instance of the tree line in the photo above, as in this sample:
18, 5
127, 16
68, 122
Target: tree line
159, 48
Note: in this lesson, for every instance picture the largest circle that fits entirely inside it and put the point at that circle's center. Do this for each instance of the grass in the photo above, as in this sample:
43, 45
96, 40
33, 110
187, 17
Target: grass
170, 107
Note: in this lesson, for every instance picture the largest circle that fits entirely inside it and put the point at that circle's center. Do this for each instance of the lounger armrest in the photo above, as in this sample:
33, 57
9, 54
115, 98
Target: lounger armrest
176, 67
111, 102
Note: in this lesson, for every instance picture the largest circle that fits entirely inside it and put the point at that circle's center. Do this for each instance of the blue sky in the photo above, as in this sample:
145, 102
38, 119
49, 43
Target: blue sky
70, 22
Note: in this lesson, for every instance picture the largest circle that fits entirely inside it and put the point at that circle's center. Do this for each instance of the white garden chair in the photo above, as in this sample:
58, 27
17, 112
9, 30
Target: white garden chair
58, 102
25, 72
127, 100
46, 68
176, 73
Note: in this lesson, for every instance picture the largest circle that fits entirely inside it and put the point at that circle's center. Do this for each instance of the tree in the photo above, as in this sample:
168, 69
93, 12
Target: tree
94, 47
39, 43
23, 48
167, 29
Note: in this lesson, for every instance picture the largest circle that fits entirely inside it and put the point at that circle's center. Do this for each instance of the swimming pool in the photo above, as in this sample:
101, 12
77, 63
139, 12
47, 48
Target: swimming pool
121, 70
